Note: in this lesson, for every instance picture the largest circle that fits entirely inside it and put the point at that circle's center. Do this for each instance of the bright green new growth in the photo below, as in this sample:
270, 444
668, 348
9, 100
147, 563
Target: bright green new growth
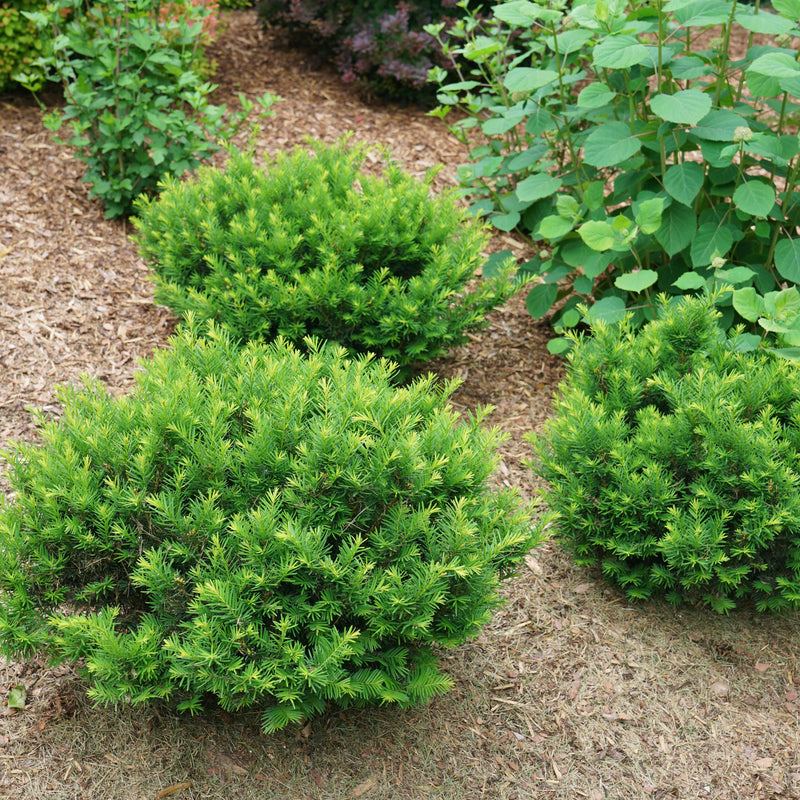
315, 246
275, 530
20, 43
672, 462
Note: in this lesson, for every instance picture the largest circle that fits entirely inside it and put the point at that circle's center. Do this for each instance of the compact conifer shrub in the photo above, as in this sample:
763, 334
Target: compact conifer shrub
270, 529
672, 462
313, 245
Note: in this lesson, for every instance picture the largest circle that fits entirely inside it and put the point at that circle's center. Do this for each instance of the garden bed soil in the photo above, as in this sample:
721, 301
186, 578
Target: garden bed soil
571, 692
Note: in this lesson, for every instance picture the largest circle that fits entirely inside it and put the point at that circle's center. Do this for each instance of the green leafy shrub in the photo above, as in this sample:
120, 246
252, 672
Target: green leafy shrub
136, 107
672, 462
314, 246
20, 43
275, 530
629, 140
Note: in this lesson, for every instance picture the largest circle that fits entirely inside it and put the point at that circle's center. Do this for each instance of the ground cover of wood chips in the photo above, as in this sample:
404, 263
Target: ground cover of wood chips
571, 692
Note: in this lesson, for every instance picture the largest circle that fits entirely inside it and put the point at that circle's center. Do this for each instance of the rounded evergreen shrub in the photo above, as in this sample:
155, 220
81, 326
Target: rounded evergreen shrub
314, 246
673, 462
270, 529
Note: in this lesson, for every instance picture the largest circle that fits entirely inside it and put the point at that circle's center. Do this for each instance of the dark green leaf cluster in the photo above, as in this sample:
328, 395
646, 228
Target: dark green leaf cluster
672, 462
315, 246
631, 140
275, 530
137, 105
20, 43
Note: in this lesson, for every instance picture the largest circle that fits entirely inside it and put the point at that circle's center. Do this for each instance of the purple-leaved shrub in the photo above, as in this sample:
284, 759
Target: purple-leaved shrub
381, 44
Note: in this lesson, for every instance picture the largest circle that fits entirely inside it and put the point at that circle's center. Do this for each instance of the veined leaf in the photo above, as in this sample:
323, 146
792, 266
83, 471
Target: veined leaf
610, 144
755, 197
636, 281
711, 240
528, 79
763, 22
619, 52
598, 234
687, 107
607, 309
787, 259
776, 65
540, 299
534, 187
678, 226
690, 280
684, 181
595, 95
718, 125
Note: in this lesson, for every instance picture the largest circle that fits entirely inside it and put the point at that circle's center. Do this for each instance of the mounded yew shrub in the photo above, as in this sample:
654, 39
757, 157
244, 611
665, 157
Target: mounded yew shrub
271, 529
673, 462
312, 245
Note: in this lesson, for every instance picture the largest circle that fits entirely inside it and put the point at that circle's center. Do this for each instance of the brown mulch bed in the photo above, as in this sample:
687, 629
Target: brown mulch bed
569, 693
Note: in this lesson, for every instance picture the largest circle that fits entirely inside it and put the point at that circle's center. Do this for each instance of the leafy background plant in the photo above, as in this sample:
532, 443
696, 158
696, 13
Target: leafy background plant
635, 147
20, 43
314, 245
381, 44
671, 462
277, 531
136, 107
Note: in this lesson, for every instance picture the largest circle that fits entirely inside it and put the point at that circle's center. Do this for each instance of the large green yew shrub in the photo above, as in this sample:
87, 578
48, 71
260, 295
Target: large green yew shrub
313, 245
672, 462
270, 529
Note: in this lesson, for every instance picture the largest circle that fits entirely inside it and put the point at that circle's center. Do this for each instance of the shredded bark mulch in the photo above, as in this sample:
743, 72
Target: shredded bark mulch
570, 692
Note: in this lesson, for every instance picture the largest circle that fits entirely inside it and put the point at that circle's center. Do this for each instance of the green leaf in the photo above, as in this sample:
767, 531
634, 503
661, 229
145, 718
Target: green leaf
610, 144
598, 234
788, 8
678, 226
594, 194
528, 79
735, 275
748, 303
567, 206
17, 697
481, 47
619, 52
763, 22
754, 197
608, 309
687, 107
497, 263
718, 125
505, 222
558, 345
711, 240
776, 65
684, 181
579, 255
700, 13
762, 85
520, 13
595, 95
648, 215
554, 227
787, 259
690, 280
540, 299
636, 281
534, 187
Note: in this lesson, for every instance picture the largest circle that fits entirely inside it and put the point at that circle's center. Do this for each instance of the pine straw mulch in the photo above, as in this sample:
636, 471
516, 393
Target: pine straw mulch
569, 693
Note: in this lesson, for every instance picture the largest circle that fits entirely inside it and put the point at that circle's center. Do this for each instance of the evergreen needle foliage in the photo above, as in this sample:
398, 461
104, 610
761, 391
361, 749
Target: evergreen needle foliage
270, 529
672, 462
314, 246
